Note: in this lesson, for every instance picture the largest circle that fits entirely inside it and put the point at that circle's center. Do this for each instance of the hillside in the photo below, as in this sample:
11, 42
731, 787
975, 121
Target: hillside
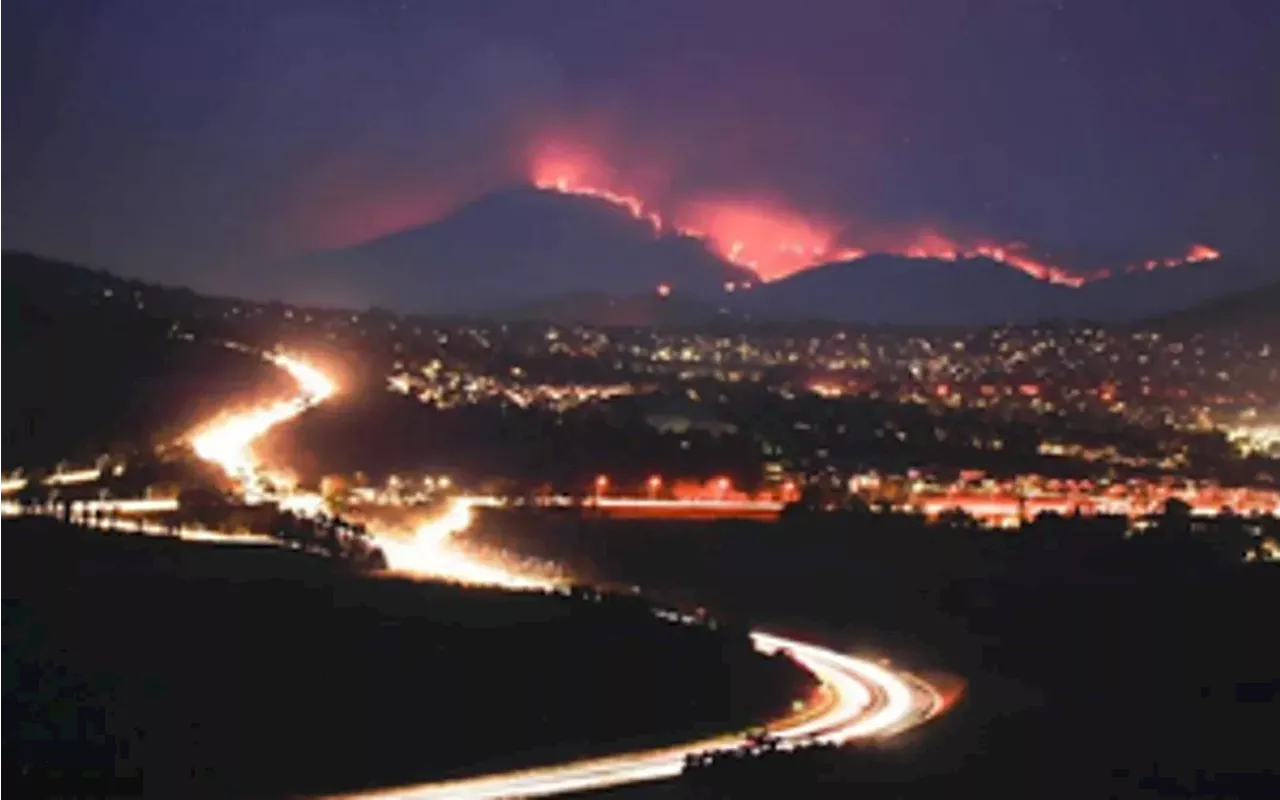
264, 673
879, 290
506, 249
1254, 309
89, 367
1090, 659
884, 289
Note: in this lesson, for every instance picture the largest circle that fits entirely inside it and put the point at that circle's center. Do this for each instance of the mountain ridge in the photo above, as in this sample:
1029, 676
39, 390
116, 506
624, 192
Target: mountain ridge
489, 253
524, 247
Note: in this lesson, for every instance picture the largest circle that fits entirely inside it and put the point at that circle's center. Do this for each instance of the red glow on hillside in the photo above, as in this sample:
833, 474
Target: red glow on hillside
775, 242
579, 175
771, 242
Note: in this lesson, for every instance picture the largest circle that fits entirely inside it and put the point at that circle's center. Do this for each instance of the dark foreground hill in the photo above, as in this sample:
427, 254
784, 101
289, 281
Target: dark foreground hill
89, 368
179, 670
82, 384
1096, 666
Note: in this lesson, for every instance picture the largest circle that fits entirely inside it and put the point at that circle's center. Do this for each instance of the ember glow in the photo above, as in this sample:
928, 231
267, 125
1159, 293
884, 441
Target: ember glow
774, 242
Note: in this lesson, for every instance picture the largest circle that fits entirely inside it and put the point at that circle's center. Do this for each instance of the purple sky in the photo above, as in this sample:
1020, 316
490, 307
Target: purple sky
178, 138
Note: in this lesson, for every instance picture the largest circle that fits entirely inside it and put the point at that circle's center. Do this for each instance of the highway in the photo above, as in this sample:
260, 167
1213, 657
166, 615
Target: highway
863, 700
859, 698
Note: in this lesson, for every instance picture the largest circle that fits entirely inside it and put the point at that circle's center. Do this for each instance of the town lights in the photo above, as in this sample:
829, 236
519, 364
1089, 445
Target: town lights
653, 484
602, 483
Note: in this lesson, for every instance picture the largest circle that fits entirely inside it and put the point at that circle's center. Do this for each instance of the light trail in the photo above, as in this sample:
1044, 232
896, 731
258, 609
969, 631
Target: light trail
141, 505
428, 551
144, 526
865, 701
228, 442
69, 478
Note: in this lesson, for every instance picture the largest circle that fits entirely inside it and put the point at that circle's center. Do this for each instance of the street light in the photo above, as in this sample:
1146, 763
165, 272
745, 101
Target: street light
602, 483
722, 487
654, 483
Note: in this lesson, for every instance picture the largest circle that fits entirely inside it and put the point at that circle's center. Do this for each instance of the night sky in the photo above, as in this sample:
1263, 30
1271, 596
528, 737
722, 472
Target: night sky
194, 140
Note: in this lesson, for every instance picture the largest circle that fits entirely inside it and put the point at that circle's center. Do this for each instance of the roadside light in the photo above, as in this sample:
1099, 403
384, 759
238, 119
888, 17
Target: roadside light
654, 484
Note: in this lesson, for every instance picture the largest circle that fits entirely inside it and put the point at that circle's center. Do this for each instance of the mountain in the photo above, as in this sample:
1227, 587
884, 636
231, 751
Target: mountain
512, 250
1134, 296
1253, 310
503, 250
885, 289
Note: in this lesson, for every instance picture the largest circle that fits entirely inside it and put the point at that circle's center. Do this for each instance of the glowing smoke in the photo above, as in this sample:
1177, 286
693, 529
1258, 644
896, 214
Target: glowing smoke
774, 242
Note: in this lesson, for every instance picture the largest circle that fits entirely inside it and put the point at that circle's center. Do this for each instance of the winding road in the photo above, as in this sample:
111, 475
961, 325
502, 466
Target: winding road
859, 698
863, 700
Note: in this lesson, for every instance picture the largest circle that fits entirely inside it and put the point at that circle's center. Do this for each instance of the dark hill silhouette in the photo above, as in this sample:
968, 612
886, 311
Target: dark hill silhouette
885, 289
900, 291
91, 367
877, 290
889, 289
1091, 660
1254, 309
172, 669
505, 249
1133, 296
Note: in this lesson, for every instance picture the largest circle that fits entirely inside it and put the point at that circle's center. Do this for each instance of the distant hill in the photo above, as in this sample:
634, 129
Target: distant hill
878, 290
1255, 309
505, 250
511, 249
885, 289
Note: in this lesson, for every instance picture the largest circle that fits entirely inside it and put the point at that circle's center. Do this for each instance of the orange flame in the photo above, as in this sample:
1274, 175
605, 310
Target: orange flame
774, 242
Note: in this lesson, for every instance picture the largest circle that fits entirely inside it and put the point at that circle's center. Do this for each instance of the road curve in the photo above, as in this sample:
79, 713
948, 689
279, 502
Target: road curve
862, 699
866, 700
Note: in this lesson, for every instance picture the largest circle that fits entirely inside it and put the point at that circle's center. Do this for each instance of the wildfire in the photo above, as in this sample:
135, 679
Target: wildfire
774, 242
